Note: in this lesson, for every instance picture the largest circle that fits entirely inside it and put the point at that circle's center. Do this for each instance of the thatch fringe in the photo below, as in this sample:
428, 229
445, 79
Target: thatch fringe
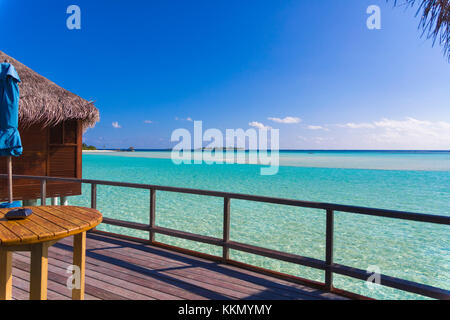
44, 102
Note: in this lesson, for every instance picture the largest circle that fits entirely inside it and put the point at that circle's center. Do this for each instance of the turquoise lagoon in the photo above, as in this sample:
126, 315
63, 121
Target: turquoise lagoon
409, 181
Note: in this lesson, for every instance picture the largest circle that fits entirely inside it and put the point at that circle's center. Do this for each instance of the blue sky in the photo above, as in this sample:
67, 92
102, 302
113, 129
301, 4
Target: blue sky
151, 66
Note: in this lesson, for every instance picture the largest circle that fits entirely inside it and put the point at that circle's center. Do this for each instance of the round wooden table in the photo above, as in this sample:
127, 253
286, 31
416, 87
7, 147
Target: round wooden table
36, 234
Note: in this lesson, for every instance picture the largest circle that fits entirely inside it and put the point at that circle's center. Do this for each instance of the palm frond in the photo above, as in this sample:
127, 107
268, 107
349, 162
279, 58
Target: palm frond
435, 20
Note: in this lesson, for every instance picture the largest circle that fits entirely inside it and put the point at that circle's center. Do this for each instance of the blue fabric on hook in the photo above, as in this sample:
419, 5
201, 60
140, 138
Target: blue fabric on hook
10, 143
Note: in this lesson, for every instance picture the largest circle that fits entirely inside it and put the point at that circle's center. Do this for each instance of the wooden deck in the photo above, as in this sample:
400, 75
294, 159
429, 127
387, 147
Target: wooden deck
117, 269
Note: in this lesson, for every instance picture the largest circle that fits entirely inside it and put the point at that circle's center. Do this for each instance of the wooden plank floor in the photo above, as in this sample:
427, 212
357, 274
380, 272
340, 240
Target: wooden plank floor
118, 269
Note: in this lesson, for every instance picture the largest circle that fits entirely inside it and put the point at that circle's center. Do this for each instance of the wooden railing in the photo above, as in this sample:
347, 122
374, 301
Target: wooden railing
327, 265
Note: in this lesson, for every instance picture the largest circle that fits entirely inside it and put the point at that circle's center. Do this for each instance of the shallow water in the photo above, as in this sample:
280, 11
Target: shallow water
382, 160
410, 250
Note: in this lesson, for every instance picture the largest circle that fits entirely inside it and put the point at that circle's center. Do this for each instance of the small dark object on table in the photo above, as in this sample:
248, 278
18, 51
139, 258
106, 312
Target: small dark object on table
18, 214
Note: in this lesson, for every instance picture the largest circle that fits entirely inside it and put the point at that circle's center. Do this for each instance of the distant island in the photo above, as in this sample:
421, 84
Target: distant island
93, 148
86, 147
130, 149
220, 149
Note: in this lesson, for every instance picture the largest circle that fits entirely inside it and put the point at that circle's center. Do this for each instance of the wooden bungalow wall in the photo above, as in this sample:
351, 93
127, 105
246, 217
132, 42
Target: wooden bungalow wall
48, 151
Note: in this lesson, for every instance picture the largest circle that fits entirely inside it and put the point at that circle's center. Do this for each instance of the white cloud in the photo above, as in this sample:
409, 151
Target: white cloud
320, 140
409, 133
259, 125
287, 120
415, 131
181, 119
317, 128
352, 125
385, 134
116, 125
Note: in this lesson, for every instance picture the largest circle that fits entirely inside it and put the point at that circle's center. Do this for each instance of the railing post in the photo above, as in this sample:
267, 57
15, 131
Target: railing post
152, 214
43, 192
329, 250
226, 228
93, 196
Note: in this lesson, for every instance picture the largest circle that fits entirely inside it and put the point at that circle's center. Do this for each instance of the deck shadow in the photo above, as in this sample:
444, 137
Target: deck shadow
273, 290
211, 265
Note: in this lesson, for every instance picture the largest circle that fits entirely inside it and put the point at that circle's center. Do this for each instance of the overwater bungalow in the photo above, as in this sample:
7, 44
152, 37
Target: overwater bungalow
51, 124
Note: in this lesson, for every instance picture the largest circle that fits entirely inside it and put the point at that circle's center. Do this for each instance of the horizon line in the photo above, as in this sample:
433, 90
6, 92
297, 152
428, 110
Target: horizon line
224, 149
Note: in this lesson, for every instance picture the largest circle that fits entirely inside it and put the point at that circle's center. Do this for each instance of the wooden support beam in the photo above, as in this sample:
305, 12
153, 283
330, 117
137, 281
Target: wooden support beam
329, 250
79, 260
43, 192
226, 229
152, 217
39, 272
5, 274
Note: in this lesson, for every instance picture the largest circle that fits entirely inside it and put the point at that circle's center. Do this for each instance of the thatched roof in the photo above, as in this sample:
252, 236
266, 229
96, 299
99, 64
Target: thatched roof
44, 102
